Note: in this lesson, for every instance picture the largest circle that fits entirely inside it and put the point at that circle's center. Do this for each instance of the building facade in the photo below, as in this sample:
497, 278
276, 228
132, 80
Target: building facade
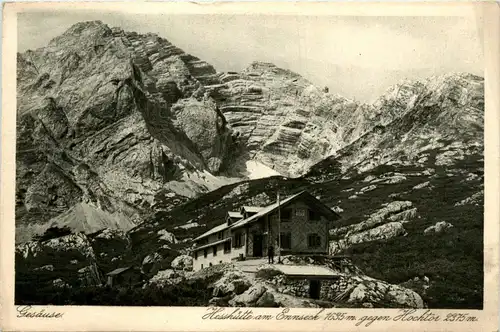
299, 223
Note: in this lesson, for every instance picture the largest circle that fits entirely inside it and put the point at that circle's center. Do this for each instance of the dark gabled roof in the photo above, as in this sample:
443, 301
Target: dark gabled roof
271, 208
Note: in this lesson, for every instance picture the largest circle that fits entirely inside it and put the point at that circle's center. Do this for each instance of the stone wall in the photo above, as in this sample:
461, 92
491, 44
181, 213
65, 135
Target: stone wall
291, 286
330, 289
299, 287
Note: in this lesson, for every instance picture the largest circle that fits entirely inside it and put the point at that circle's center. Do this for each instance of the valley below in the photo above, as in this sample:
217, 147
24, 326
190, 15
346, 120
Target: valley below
128, 149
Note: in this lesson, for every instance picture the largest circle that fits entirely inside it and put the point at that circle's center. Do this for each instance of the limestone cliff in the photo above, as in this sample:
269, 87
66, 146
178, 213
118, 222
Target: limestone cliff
108, 118
119, 125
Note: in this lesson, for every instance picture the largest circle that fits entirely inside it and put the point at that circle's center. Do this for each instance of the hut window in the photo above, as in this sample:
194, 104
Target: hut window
300, 212
238, 240
286, 215
205, 253
286, 240
214, 248
313, 215
313, 241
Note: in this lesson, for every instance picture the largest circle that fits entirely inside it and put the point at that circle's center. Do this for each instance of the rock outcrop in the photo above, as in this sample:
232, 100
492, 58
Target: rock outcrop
385, 223
440, 226
69, 259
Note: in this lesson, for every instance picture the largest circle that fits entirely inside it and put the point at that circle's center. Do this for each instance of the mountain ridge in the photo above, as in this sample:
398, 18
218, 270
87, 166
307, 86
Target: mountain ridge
124, 117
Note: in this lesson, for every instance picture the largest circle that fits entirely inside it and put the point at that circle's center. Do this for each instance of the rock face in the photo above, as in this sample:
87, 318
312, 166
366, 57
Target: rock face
100, 134
428, 115
74, 242
114, 124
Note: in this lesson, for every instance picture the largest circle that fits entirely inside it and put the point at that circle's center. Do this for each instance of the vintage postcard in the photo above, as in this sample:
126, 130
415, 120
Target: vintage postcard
250, 167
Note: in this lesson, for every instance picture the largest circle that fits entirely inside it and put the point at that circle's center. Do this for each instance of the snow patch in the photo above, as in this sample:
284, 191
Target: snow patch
257, 170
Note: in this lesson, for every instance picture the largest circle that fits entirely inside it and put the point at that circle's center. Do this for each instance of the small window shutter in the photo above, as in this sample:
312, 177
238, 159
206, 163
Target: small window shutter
233, 240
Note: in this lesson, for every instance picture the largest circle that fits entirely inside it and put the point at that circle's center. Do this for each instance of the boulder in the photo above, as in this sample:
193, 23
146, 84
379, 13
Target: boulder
165, 277
48, 267
266, 301
113, 234
167, 236
288, 301
393, 211
152, 258
60, 283
57, 251
183, 262
221, 302
404, 297
370, 290
233, 282
151, 263
90, 275
249, 297
475, 199
422, 185
337, 209
440, 226
269, 271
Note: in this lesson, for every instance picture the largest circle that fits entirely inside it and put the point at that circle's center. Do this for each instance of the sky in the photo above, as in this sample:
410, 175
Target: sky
358, 57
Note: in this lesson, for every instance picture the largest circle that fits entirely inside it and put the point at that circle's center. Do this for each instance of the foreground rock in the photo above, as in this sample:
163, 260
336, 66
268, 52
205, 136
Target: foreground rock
383, 294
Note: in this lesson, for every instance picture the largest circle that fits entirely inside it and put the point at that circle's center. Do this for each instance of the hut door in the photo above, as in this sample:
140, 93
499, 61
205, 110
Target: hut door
314, 289
257, 245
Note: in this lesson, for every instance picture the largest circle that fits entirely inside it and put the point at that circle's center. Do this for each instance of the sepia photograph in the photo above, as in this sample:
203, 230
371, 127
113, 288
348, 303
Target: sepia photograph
237, 160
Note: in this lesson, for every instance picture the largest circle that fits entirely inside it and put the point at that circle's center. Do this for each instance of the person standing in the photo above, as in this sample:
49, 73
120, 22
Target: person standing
270, 254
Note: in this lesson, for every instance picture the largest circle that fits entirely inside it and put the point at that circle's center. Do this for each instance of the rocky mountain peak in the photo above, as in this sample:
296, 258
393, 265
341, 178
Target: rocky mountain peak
146, 118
